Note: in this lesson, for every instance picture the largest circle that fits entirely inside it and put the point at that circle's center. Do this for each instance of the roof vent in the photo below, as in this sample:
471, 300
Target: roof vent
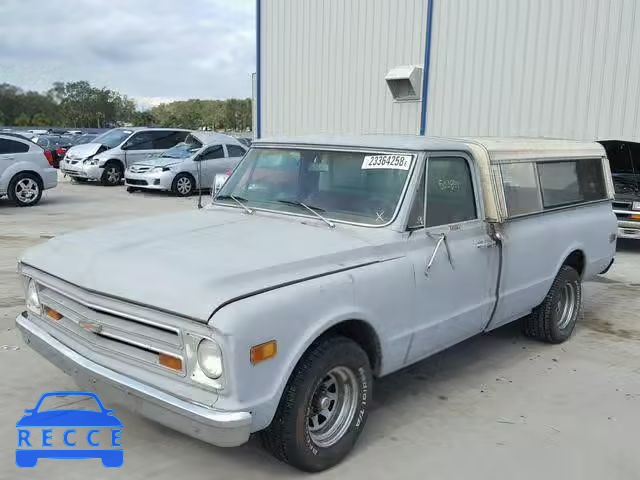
405, 83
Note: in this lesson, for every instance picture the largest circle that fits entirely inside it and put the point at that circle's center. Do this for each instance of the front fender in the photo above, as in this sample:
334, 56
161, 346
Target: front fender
298, 314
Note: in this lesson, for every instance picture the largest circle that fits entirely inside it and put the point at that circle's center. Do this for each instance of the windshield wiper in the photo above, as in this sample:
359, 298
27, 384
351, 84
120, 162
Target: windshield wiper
238, 200
312, 209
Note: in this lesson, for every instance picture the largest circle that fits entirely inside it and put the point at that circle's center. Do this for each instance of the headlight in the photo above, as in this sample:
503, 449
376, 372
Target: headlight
160, 169
91, 161
635, 206
210, 358
32, 299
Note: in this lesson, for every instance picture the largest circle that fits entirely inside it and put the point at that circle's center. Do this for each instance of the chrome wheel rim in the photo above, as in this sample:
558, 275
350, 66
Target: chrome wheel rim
566, 305
113, 175
333, 407
27, 190
183, 185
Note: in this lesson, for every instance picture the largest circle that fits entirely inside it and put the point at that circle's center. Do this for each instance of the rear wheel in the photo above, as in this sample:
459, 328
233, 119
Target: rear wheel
555, 318
324, 406
25, 189
183, 185
112, 174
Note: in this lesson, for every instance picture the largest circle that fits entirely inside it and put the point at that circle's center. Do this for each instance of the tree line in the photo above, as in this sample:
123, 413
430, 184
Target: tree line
79, 104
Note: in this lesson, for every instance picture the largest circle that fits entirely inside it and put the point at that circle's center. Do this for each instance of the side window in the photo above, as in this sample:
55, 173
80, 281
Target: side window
416, 217
141, 141
235, 151
212, 153
12, 146
574, 181
450, 197
521, 190
165, 139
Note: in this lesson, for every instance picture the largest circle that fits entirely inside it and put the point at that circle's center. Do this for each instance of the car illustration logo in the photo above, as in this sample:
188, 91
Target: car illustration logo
64, 433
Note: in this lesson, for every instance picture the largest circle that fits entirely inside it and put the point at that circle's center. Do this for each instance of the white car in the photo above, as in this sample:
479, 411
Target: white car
25, 170
187, 167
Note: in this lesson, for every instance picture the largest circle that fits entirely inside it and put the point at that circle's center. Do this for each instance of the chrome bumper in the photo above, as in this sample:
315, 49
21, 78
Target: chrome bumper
224, 429
629, 229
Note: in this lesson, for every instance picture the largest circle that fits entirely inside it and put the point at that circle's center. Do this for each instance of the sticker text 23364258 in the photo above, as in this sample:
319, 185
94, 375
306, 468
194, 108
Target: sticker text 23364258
396, 162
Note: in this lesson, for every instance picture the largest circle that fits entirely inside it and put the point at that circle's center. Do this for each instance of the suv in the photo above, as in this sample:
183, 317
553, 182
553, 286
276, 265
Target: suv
107, 157
25, 170
322, 263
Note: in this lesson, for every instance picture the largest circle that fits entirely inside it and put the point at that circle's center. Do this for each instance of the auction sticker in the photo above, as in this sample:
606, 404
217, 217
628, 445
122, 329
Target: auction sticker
395, 162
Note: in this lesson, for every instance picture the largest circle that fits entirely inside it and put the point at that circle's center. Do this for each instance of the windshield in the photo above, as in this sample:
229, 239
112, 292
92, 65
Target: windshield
183, 149
113, 138
349, 186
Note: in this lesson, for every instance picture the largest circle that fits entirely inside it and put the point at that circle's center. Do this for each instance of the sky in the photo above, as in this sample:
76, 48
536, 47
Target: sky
150, 50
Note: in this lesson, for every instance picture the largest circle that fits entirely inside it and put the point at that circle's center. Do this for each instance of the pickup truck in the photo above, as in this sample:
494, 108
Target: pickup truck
322, 263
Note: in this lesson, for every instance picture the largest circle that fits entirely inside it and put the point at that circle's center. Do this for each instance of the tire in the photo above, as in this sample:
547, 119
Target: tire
112, 174
183, 185
555, 318
25, 189
298, 435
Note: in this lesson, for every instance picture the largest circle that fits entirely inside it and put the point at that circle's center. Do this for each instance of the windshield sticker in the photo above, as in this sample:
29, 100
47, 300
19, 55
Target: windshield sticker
395, 162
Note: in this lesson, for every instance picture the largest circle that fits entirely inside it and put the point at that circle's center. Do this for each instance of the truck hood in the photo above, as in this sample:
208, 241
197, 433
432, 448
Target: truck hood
83, 151
192, 263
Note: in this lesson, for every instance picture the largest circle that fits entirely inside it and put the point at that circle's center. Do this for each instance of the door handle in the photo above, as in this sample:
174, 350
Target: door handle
485, 244
441, 239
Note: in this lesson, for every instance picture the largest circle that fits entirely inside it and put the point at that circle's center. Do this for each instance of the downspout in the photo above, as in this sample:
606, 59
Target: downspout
427, 63
258, 62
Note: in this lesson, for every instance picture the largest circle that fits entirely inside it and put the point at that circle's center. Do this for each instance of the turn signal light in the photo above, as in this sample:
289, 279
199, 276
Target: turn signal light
174, 363
51, 313
264, 351
635, 217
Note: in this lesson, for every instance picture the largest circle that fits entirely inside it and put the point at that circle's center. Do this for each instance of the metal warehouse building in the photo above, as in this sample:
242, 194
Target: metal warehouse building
558, 68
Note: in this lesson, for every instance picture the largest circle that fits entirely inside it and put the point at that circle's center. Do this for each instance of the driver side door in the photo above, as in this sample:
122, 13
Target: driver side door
454, 259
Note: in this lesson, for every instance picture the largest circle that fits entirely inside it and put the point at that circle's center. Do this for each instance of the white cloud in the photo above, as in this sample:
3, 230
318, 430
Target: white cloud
147, 49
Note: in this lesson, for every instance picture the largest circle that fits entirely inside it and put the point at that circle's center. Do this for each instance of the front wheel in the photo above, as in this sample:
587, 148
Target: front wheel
324, 406
183, 185
555, 318
112, 174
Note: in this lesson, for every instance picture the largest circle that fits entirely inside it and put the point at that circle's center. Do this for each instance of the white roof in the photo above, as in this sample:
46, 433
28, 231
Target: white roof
499, 149
208, 137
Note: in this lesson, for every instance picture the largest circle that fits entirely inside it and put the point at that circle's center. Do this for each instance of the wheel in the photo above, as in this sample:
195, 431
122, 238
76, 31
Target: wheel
183, 185
554, 319
112, 174
324, 406
25, 189
132, 189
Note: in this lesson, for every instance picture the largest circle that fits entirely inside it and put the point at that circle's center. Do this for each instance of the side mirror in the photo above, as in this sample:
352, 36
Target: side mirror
125, 146
218, 182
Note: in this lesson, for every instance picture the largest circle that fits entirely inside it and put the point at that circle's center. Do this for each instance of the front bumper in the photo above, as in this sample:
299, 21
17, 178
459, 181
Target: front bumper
629, 229
148, 180
81, 170
221, 428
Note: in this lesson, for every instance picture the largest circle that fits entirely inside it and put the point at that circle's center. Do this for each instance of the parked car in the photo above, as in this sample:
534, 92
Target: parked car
187, 167
323, 263
107, 157
25, 170
624, 161
56, 145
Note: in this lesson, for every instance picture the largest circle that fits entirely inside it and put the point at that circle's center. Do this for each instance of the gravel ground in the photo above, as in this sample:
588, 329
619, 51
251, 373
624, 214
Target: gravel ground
496, 406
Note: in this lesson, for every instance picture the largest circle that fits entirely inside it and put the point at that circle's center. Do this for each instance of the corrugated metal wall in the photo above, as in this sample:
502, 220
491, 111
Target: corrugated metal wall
323, 64
561, 68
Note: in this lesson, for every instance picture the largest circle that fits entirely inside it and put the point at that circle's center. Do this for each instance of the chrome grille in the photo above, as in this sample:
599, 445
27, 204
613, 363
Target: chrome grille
113, 333
140, 168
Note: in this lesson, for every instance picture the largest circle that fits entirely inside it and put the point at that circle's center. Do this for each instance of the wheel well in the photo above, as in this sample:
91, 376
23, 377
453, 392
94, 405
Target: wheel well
35, 174
364, 335
576, 260
188, 174
114, 160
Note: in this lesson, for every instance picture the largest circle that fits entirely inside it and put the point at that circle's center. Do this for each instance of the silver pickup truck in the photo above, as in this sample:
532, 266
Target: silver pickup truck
322, 263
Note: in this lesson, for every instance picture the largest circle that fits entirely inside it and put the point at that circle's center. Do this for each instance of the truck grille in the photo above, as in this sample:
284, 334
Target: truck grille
108, 332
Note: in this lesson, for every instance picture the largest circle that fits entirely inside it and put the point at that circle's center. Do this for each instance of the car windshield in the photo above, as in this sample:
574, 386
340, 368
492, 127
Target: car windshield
184, 149
82, 139
113, 138
346, 186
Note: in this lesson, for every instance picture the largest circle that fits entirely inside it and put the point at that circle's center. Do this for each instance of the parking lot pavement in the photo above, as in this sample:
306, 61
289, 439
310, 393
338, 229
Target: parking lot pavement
497, 406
